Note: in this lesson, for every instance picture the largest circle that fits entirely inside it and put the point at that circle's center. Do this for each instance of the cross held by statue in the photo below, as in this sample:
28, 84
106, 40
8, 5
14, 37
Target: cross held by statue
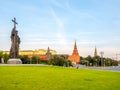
14, 21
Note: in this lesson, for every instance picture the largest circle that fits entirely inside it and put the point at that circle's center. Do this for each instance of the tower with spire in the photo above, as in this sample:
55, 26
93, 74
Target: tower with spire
75, 51
48, 54
75, 58
95, 53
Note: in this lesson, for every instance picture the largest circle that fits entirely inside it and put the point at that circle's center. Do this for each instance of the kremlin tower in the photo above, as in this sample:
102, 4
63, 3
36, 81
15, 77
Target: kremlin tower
48, 54
75, 58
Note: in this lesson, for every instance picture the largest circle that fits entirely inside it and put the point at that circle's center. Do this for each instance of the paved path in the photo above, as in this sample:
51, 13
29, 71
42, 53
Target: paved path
112, 68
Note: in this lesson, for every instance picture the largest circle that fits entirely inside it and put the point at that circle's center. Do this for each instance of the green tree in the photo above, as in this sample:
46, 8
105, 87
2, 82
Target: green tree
82, 58
35, 60
107, 62
68, 63
59, 61
115, 63
84, 62
97, 61
1, 55
25, 59
90, 60
5, 57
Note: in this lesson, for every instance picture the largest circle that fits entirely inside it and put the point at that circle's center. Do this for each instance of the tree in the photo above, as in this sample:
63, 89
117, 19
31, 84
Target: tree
108, 62
115, 63
84, 62
35, 60
59, 61
25, 59
68, 63
1, 55
5, 57
97, 61
90, 60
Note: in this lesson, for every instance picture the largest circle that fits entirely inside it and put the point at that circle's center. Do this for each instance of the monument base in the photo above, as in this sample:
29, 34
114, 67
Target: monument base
14, 61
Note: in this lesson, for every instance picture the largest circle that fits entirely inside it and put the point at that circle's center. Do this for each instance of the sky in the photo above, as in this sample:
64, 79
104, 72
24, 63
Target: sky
58, 23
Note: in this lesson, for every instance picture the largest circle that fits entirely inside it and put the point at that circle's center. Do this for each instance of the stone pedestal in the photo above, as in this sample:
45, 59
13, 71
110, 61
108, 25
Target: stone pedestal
14, 61
2, 61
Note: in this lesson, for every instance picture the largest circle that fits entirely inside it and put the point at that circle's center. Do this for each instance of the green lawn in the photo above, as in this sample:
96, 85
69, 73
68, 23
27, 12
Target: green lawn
56, 78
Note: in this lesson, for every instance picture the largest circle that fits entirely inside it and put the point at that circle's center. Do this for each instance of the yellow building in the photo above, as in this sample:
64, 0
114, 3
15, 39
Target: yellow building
33, 52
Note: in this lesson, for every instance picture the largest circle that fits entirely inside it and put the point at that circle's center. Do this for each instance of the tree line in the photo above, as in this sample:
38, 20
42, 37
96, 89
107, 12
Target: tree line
98, 61
54, 60
63, 61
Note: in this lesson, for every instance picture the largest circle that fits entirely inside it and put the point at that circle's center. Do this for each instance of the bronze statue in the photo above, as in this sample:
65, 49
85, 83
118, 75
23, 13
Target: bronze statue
15, 42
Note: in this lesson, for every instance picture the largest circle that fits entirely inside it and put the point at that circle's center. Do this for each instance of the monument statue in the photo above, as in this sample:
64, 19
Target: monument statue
15, 41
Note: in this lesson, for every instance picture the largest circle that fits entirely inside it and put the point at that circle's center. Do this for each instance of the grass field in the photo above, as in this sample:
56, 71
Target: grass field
56, 78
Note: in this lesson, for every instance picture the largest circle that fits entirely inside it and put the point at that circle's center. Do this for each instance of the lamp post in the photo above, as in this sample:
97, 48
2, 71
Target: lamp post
102, 58
96, 62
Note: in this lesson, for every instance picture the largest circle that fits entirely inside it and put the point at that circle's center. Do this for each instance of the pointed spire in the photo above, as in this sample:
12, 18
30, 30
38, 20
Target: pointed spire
75, 51
75, 46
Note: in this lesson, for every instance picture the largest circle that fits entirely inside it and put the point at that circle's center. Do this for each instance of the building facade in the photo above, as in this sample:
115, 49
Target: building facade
41, 53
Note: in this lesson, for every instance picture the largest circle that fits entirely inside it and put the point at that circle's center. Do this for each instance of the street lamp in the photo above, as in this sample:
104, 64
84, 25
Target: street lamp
96, 62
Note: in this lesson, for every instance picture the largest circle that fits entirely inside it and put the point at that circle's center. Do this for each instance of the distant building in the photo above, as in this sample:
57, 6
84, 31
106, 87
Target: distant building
75, 58
48, 54
41, 53
95, 52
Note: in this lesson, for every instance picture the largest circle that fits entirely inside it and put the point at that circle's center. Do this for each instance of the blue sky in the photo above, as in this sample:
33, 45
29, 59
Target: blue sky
58, 23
